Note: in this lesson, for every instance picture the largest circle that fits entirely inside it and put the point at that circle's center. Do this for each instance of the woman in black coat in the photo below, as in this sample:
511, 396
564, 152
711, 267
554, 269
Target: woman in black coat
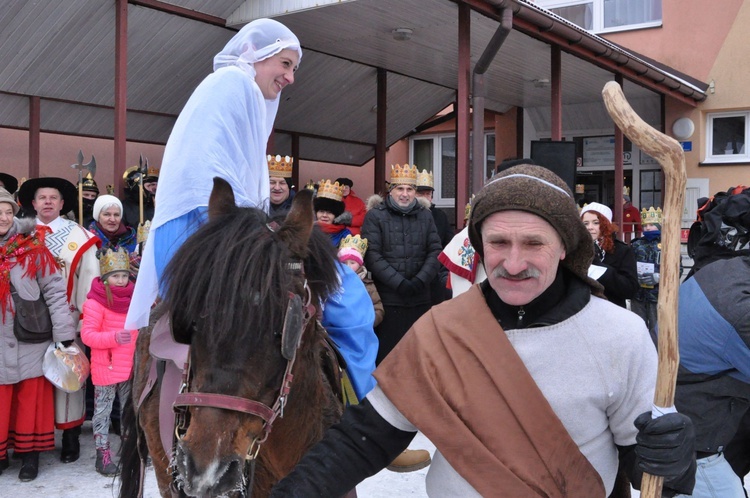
620, 278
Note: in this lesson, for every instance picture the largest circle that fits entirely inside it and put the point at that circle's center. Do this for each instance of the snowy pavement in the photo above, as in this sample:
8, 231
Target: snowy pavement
80, 480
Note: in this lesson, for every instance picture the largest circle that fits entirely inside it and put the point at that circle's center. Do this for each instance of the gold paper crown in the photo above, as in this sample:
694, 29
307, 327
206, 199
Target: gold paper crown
652, 216
280, 167
467, 209
111, 261
625, 190
330, 190
88, 183
143, 230
356, 242
425, 179
403, 175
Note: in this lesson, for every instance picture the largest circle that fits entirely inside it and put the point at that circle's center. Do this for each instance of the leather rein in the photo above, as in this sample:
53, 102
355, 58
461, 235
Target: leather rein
291, 334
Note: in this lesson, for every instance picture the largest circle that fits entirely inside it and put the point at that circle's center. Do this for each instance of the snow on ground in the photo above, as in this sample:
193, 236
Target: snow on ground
80, 480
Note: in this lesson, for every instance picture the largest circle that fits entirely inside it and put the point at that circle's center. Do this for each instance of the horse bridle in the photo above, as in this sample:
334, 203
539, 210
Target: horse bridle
296, 319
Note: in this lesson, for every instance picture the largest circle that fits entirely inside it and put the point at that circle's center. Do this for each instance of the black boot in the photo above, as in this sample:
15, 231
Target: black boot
71, 447
4, 463
29, 466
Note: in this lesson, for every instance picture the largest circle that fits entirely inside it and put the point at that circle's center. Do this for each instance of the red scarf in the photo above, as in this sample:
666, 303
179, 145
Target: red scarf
29, 251
120, 295
330, 228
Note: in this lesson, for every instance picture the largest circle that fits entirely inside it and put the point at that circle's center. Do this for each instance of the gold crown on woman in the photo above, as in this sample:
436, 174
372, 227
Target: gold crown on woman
355, 242
329, 190
405, 174
280, 166
112, 261
652, 216
425, 179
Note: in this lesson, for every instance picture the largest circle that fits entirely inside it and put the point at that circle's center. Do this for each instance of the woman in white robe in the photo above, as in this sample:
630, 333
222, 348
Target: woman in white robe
222, 132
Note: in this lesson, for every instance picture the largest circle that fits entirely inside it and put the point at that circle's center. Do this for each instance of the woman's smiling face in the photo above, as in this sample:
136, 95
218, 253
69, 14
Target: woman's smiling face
276, 72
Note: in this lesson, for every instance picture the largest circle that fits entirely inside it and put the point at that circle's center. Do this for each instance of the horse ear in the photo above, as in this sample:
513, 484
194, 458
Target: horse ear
221, 201
299, 223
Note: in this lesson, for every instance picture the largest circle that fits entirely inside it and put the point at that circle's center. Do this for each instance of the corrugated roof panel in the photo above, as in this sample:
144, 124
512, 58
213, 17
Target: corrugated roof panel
14, 111
218, 8
162, 80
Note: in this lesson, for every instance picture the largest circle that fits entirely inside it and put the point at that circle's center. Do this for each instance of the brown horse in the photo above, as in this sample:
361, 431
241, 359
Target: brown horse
240, 292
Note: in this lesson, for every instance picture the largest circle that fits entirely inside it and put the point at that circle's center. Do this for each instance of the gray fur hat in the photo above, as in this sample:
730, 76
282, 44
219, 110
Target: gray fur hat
539, 191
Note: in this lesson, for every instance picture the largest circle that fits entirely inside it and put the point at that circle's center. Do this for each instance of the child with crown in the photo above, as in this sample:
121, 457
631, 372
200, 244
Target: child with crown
647, 250
352, 251
328, 204
112, 347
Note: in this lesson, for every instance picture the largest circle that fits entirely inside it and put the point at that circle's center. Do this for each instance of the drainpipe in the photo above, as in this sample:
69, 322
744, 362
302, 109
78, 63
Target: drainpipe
479, 93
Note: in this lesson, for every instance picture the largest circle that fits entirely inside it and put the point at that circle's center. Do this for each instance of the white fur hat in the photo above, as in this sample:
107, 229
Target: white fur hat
103, 202
599, 208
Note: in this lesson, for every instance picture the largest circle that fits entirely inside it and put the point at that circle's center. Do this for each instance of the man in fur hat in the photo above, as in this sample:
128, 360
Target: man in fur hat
529, 384
74, 248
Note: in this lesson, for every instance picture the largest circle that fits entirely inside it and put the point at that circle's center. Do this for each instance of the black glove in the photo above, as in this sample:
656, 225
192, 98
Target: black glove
406, 288
647, 279
665, 446
418, 285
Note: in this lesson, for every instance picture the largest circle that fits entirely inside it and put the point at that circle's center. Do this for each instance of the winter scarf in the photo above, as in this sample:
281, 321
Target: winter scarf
124, 236
120, 296
29, 251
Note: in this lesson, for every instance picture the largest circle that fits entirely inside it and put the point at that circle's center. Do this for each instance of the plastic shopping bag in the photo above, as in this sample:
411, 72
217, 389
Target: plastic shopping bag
66, 368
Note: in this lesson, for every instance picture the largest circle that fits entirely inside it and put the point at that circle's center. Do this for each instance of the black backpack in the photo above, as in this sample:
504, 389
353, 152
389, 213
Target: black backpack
722, 228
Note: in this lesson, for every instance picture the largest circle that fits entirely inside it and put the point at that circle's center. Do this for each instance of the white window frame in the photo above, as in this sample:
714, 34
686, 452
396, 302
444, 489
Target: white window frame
598, 15
726, 158
437, 169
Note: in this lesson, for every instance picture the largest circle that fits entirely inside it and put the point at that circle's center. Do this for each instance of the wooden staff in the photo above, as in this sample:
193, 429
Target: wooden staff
669, 153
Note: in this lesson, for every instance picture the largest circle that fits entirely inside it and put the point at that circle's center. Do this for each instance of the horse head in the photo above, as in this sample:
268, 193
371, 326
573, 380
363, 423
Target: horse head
243, 291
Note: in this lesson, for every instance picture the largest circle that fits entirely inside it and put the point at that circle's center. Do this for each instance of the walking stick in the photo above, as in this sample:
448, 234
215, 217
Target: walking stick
669, 153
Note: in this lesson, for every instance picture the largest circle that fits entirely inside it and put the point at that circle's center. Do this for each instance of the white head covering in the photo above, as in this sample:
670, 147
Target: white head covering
257, 41
103, 202
599, 208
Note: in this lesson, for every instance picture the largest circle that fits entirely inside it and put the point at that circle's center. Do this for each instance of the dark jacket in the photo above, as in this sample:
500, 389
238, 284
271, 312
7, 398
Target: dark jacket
444, 229
620, 281
713, 381
401, 246
131, 211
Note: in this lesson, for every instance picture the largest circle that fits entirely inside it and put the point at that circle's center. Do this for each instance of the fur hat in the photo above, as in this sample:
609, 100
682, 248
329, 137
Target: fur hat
345, 181
103, 202
539, 191
599, 208
6, 197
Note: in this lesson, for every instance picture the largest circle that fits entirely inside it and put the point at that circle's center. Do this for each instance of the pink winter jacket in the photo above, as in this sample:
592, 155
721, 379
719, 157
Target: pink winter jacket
110, 362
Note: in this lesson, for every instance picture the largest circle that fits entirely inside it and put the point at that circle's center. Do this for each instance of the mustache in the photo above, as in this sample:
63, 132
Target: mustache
530, 272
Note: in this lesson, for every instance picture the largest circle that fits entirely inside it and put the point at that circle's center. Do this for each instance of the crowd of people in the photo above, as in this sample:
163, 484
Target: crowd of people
511, 344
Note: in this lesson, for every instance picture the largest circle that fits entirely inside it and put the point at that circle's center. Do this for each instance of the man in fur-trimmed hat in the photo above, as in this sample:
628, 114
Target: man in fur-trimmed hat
529, 384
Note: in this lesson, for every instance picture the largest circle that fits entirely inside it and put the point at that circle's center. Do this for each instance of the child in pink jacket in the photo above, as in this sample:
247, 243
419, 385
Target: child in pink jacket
112, 347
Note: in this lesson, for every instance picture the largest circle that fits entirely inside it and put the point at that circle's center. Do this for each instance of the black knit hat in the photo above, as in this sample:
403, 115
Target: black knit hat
539, 191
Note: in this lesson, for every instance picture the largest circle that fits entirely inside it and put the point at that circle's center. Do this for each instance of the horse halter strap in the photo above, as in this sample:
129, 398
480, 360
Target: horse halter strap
234, 403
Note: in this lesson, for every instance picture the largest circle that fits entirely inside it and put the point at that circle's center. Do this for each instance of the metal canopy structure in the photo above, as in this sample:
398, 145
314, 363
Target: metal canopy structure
62, 55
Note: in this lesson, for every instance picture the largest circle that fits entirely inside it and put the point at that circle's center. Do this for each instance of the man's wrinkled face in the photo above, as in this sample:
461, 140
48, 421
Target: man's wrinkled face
522, 252
403, 195
279, 190
48, 202
427, 194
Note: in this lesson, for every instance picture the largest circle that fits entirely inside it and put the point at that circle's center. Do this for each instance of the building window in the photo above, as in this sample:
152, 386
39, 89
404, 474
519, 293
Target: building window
601, 16
727, 136
424, 150
650, 192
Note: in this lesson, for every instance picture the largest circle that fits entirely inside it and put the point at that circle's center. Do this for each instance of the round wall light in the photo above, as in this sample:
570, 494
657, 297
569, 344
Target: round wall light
683, 128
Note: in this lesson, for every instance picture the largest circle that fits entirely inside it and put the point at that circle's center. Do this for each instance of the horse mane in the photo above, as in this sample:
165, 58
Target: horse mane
232, 275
